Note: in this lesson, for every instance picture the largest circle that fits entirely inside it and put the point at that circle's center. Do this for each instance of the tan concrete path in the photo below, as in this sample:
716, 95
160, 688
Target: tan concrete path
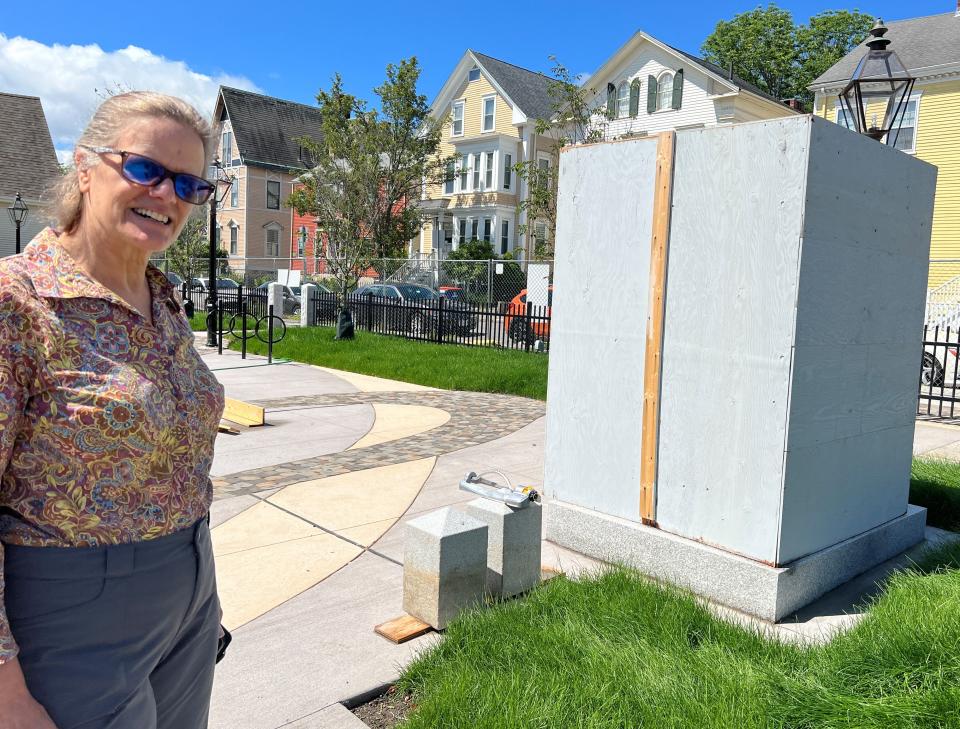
309, 549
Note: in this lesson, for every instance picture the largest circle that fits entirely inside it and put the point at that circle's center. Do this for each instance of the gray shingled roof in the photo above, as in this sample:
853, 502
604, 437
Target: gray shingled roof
265, 128
736, 80
933, 40
28, 162
527, 89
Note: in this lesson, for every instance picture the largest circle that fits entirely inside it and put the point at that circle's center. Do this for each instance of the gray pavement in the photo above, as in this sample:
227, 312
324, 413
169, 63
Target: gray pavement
292, 666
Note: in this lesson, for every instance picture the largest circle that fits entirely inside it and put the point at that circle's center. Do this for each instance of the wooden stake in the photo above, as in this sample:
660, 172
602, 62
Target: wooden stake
653, 361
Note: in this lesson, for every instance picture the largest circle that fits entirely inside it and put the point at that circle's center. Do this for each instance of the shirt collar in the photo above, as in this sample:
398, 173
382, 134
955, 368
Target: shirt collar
56, 275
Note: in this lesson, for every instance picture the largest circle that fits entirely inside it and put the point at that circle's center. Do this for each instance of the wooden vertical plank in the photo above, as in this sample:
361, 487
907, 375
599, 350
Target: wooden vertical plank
659, 242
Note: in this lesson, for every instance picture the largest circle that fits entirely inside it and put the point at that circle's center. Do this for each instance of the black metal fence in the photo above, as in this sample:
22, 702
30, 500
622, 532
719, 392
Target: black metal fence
232, 298
443, 321
939, 390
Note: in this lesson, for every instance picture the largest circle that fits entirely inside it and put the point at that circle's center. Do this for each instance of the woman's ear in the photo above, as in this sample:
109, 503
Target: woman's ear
83, 170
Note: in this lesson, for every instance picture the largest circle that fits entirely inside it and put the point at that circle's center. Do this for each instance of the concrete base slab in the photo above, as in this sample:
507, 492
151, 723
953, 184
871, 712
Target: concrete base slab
766, 592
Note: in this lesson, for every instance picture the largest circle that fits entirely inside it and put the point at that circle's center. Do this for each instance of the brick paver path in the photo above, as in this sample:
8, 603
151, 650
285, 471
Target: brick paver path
475, 417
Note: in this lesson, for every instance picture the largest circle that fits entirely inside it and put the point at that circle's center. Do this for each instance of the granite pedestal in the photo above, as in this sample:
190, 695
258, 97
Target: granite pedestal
513, 545
444, 565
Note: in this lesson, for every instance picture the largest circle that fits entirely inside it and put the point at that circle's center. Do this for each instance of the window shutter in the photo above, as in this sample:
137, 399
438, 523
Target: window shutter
651, 94
611, 101
635, 97
677, 89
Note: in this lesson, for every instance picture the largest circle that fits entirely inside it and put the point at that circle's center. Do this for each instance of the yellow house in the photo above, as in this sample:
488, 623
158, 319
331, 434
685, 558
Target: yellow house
930, 49
492, 107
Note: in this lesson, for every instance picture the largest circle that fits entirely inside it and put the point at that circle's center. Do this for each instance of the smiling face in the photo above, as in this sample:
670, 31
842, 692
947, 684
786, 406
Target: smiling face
124, 213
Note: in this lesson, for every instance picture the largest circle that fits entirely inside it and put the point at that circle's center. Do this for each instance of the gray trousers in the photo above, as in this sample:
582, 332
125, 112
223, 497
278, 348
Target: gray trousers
117, 637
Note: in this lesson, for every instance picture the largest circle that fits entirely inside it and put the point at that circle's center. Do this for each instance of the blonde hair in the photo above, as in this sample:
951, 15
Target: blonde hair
105, 128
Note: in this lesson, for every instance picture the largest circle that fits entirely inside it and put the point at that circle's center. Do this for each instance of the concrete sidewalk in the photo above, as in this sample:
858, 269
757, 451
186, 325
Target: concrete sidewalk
308, 517
308, 528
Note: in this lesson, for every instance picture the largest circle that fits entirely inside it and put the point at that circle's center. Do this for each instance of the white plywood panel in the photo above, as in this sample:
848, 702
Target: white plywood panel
731, 291
840, 489
601, 275
867, 194
851, 294
826, 402
859, 322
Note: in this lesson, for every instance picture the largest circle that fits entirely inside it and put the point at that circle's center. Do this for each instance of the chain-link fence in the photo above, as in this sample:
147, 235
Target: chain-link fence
479, 283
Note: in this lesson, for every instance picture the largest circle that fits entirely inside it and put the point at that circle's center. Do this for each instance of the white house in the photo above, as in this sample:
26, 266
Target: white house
651, 87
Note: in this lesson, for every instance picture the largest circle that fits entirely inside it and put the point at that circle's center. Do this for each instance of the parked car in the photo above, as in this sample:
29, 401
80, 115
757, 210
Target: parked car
452, 293
415, 309
174, 279
515, 322
940, 366
228, 291
291, 298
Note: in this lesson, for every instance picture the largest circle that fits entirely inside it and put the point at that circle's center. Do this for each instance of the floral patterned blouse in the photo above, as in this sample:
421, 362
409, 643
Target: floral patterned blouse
107, 423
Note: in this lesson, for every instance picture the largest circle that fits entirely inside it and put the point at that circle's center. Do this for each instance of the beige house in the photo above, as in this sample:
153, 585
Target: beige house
492, 107
28, 165
258, 148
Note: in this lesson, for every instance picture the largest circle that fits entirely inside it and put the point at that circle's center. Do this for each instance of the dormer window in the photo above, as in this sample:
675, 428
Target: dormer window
474, 74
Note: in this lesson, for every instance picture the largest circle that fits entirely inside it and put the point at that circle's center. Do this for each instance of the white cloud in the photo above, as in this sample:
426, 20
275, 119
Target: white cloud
66, 78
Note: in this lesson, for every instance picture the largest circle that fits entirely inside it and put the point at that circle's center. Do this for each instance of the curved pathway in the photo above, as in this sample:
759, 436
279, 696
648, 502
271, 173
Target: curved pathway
475, 417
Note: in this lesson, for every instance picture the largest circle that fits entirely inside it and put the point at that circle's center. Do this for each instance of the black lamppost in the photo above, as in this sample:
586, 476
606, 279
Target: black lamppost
880, 85
18, 214
222, 183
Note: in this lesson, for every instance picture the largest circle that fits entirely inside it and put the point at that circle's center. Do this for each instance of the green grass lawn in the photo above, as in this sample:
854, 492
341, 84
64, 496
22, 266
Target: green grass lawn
936, 485
448, 366
618, 651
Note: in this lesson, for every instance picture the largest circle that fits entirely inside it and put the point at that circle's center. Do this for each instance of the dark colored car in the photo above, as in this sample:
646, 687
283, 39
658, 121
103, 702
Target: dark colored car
409, 307
174, 279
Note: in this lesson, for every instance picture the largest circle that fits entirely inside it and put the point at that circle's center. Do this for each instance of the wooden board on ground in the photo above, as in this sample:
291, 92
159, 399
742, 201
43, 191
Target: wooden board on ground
226, 427
243, 413
402, 629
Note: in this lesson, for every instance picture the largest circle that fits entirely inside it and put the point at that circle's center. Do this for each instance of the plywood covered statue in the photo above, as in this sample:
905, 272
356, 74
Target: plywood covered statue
739, 418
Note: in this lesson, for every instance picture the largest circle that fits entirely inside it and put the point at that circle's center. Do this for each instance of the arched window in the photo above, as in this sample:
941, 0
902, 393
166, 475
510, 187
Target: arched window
623, 100
665, 91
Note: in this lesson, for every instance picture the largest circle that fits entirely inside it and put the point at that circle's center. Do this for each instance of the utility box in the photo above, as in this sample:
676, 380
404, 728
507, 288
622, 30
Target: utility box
735, 352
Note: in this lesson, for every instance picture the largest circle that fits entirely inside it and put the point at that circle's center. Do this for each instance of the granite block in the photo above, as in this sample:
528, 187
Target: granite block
444, 565
513, 545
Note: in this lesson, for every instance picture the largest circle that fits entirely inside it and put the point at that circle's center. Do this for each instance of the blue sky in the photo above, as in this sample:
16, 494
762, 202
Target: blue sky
290, 49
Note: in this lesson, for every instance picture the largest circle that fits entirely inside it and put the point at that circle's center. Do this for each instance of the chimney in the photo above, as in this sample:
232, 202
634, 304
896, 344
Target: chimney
731, 62
795, 104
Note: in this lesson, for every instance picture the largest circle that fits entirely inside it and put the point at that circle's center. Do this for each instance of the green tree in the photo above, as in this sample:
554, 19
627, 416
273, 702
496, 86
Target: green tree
368, 168
188, 254
766, 47
576, 116
762, 46
829, 37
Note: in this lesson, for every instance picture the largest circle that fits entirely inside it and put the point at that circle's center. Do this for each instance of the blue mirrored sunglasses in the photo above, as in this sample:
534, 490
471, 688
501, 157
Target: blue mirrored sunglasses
150, 173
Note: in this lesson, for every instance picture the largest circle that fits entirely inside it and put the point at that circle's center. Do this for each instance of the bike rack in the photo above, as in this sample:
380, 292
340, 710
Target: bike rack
276, 329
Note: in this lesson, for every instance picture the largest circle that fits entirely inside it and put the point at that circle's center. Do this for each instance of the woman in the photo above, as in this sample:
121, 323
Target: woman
108, 606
